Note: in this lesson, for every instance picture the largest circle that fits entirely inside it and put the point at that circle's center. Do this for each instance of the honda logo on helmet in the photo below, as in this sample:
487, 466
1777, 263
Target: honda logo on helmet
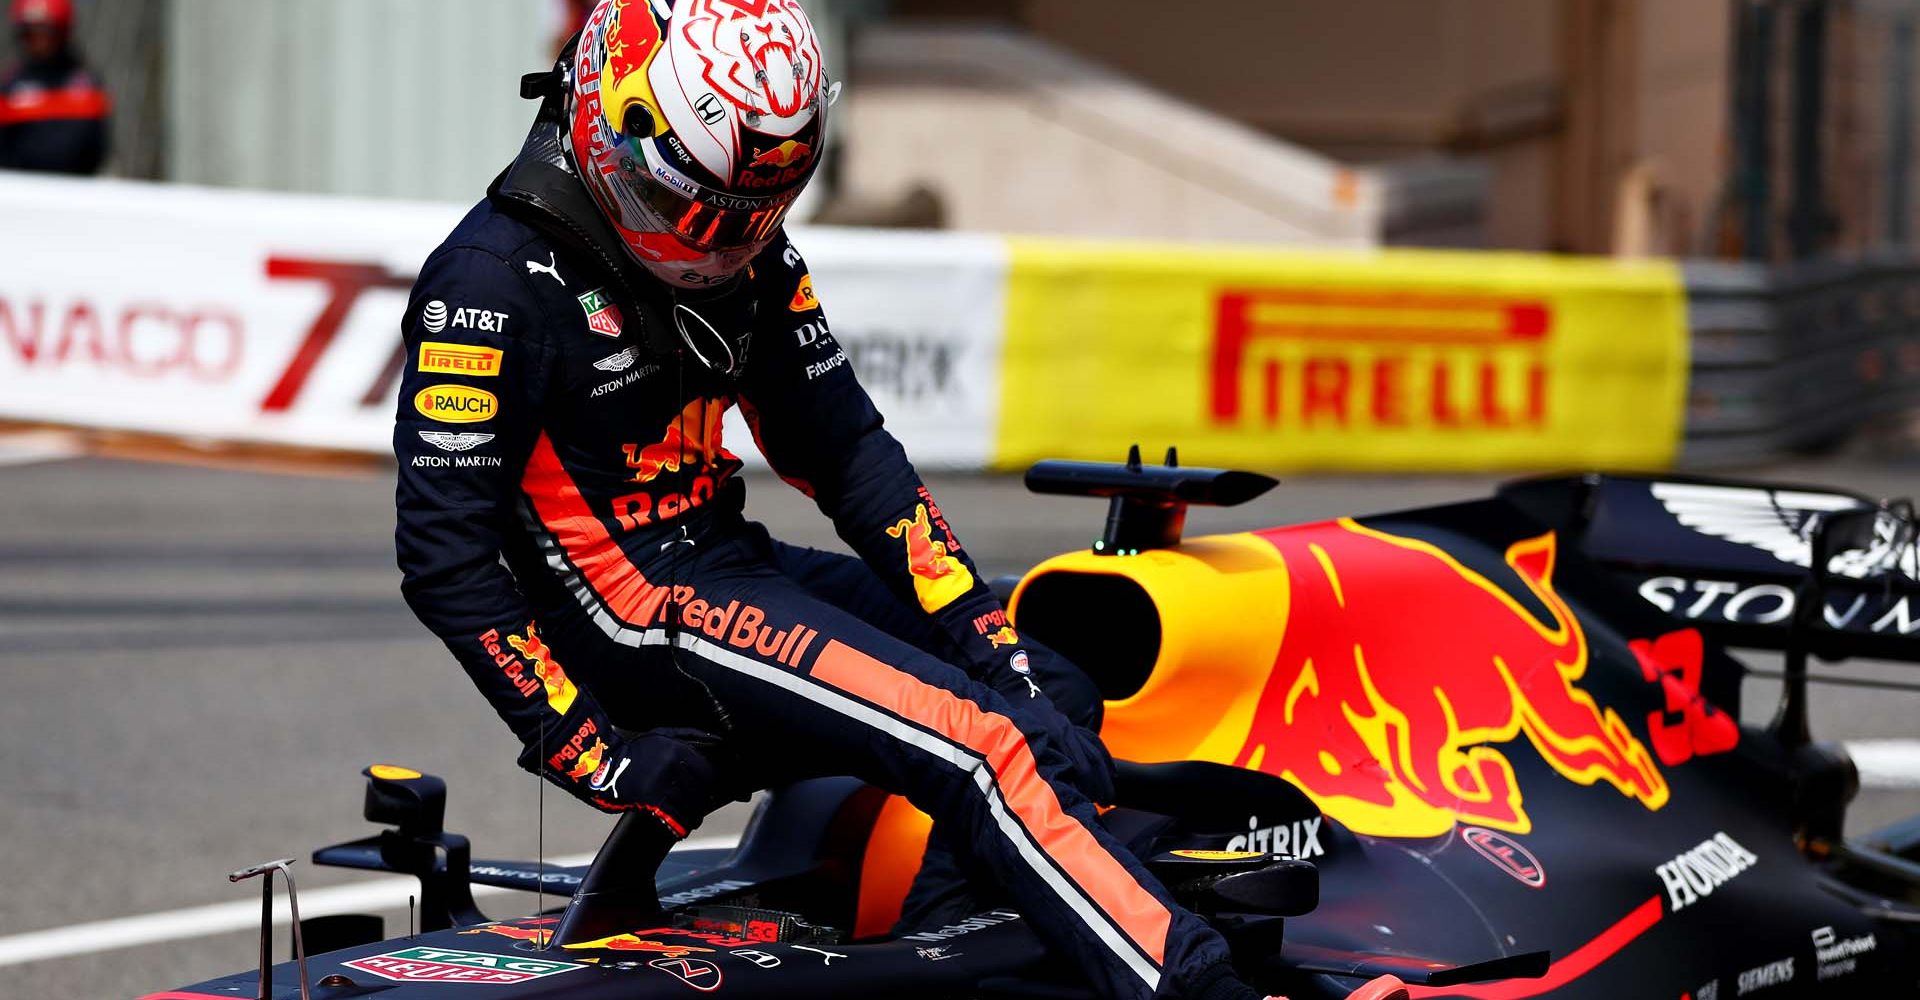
710, 110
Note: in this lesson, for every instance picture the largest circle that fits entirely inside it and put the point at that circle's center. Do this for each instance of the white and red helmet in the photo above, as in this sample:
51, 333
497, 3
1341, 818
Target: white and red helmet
695, 123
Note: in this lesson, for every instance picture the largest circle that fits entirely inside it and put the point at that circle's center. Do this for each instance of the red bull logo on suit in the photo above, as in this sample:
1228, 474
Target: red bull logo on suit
938, 577
692, 440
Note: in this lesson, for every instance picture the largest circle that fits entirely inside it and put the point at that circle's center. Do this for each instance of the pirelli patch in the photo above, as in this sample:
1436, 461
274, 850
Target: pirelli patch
459, 359
456, 404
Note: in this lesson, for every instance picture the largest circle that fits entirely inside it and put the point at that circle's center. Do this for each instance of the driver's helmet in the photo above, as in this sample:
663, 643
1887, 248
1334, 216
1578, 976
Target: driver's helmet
695, 123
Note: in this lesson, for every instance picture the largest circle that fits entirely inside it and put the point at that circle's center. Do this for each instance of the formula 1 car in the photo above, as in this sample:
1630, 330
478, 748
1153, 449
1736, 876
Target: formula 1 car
1482, 747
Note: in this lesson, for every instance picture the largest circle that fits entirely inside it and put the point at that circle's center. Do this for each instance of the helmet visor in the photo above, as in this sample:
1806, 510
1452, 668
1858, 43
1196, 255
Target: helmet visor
708, 227
700, 219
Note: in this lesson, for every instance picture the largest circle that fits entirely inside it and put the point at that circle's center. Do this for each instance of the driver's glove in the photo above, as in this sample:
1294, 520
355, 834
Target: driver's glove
657, 772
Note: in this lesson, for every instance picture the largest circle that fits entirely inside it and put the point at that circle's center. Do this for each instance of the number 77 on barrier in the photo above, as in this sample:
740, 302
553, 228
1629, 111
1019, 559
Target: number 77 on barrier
345, 283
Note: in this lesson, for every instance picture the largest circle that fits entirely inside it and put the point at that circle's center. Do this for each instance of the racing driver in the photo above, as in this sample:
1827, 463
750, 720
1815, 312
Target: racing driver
569, 520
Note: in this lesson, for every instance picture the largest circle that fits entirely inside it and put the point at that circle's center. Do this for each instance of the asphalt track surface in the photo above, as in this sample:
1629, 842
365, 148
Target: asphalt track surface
195, 664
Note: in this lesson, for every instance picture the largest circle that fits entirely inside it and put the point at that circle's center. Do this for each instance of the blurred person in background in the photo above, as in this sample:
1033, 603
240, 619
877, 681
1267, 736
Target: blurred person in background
53, 112
570, 523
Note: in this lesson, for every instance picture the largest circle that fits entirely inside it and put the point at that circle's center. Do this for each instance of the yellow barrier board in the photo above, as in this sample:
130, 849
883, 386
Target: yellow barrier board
1382, 361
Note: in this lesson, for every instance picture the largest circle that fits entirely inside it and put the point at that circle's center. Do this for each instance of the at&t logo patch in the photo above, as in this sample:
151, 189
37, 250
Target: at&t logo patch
437, 317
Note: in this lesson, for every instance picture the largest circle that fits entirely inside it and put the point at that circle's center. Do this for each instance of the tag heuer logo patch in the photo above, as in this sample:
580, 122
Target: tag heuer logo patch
444, 965
603, 317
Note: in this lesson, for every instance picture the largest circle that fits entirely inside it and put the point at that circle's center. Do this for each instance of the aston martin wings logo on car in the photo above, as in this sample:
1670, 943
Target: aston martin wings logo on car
452, 441
1782, 523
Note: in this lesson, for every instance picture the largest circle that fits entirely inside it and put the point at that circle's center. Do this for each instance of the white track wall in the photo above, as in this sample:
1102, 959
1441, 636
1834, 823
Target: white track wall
275, 318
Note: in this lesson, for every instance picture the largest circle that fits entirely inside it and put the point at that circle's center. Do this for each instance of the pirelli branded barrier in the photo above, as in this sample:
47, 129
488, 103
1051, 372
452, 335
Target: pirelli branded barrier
1384, 361
234, 316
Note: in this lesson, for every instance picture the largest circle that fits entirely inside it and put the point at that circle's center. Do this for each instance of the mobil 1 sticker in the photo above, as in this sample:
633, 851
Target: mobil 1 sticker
449, 965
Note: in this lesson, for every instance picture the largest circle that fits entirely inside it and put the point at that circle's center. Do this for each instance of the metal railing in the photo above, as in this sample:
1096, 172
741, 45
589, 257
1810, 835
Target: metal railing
1798, 358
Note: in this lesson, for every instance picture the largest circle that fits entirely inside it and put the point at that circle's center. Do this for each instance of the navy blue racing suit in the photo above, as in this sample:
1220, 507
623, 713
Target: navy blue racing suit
569, 523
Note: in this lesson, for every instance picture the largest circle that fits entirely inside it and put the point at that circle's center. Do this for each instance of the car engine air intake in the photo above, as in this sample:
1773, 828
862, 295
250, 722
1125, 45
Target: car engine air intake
1105, 624
1165, 634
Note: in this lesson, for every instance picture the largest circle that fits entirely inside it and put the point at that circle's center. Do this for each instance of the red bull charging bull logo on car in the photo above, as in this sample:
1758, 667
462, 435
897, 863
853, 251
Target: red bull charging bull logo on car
633, 942
1403, 673
529, 931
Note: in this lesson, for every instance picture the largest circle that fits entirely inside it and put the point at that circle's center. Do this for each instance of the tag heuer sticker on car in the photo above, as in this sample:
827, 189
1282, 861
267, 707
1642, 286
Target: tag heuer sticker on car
459, 359
446, 965
603, 317
455, 404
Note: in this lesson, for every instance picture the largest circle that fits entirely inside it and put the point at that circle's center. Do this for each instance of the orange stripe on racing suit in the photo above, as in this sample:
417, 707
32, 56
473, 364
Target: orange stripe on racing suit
1032, 799
557, 500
